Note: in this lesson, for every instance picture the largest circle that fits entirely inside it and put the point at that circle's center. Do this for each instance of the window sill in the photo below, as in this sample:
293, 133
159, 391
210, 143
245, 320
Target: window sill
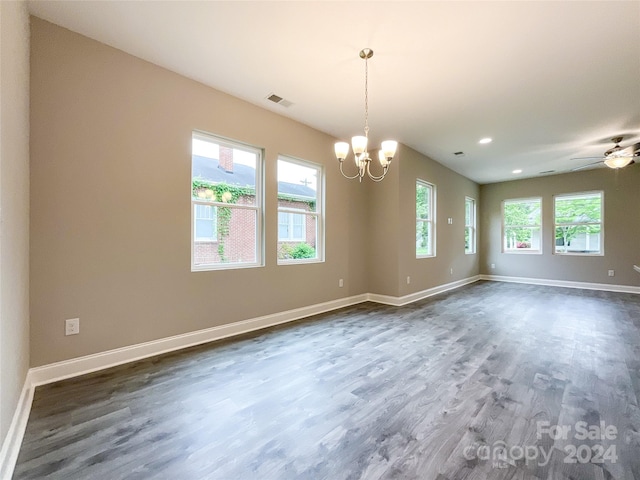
523, 252
579, 254
300, 261
225, 266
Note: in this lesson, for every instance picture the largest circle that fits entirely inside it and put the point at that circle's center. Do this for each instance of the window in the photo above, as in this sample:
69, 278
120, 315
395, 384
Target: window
425, 219
578, 224
206, 223
522, 225
226, 204
469, 225
300, 221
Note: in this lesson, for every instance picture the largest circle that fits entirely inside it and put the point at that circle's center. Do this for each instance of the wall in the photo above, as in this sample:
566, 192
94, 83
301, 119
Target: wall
451, 190
621, 228
110, 195
392, 227
14, 207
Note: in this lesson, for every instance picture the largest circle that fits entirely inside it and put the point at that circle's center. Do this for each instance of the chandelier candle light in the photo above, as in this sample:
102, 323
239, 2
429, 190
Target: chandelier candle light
359, 143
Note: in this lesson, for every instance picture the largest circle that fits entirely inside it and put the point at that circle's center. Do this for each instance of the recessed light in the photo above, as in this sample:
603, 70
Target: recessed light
517, 171
485, 140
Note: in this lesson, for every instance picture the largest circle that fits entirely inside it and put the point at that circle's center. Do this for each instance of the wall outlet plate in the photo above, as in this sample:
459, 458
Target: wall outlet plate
72, 326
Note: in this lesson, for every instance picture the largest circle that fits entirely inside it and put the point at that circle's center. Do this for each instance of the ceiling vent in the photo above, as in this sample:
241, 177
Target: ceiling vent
279, 100
546, 172
459, 154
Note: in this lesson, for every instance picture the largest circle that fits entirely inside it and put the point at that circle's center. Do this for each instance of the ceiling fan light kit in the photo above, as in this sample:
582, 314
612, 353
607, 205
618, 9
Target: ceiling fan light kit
617, 156
359, 143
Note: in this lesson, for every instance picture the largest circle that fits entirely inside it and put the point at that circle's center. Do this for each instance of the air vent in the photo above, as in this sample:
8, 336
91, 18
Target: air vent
279, 100
459, 154
546, 172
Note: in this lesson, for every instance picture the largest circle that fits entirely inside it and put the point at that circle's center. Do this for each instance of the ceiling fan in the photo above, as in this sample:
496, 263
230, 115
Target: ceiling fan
616, 157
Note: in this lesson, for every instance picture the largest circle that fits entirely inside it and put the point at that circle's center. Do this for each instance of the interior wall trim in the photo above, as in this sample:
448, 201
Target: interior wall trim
99, 361
606, 287
414, 297
13, 441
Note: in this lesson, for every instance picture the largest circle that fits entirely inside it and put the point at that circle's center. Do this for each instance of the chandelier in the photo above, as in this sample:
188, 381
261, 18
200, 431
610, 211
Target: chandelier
359, 143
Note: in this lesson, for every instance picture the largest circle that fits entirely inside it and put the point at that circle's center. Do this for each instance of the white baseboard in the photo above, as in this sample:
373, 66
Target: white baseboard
110, 358
414, 297
100, 361
564, 283
13, 441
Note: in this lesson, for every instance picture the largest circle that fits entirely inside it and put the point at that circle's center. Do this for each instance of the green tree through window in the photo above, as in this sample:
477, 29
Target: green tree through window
578, 223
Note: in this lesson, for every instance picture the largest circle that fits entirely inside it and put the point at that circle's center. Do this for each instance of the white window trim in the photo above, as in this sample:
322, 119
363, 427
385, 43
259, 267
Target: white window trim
258, 207
319, 213
522, 251
432, 217
601, 223
472, 226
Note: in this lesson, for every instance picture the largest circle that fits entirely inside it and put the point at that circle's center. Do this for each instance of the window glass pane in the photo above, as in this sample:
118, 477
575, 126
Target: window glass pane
297, 186
522, 238
578, 209
468, 204
423, 238
423, 194
467, 239
299, 209
226, 175
223, 173
578, 223
578, 239
236, 242
522, 212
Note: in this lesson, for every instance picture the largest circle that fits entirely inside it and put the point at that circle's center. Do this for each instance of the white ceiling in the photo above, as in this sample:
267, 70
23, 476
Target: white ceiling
548, 81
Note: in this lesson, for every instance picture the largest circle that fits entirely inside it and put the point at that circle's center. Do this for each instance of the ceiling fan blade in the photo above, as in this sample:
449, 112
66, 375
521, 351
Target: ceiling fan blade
575, 169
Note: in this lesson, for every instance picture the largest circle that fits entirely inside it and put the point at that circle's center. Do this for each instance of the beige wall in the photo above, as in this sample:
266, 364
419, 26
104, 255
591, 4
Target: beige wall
621, 228
392, 227
111, 169
110, 158
451, 190
14, 207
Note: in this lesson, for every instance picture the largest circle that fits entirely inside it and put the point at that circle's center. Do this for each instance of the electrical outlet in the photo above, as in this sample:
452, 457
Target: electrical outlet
451, 271
450, 221
493, 265
341, 283
72, 326
612, 273
408, 280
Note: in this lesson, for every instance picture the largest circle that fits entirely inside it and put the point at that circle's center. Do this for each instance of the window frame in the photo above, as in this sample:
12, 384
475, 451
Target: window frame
257, 207
504, 227
472, 226
431, 214
600, 253
318, 213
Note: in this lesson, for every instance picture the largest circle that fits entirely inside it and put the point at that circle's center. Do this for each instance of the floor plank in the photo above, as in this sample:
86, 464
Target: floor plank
431, 390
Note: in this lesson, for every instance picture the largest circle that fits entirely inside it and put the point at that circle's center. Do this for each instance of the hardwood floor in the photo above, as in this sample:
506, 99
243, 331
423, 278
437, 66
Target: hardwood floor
431, 390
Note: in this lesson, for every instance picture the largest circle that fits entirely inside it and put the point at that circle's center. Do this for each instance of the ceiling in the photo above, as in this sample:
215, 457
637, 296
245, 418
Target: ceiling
548, 81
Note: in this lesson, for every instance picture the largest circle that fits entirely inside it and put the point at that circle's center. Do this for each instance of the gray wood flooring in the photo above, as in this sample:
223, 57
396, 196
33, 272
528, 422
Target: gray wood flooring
477, 383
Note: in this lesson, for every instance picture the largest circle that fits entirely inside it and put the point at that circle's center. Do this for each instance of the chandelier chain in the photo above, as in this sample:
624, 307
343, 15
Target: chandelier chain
366, 97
